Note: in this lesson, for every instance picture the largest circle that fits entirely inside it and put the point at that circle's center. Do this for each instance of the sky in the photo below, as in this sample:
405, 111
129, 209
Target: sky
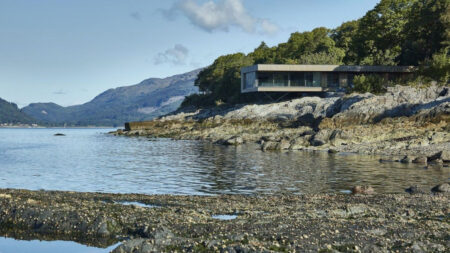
69, 51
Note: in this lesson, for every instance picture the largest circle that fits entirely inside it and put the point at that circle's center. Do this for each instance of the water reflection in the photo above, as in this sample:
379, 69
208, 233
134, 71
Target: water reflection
89, 160
8, 245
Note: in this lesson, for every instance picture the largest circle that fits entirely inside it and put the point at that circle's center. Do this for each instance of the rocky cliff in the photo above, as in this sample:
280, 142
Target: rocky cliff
405, 120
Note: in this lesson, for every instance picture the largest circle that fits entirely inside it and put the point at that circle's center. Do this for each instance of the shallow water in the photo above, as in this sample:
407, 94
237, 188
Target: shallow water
90, 160
9, 245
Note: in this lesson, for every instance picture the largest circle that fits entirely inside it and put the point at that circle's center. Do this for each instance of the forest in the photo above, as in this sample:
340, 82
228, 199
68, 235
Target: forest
394, 32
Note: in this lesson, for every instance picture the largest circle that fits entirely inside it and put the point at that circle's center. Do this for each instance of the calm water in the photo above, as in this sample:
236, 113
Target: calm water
9, 245
90, 160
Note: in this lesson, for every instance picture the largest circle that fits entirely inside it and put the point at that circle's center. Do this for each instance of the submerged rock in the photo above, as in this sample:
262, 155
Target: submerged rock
59, 134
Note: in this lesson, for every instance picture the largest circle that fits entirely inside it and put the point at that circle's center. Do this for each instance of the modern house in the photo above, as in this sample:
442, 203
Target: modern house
311, 78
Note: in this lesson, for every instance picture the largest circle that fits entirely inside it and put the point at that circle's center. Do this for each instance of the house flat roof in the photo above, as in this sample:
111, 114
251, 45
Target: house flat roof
328, 68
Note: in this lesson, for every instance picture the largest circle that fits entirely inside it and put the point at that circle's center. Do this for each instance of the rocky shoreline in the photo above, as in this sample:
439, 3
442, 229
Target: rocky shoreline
404, 121
417, 222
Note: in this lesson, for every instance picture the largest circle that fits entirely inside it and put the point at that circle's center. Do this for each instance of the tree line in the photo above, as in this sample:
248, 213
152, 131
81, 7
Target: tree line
394, 32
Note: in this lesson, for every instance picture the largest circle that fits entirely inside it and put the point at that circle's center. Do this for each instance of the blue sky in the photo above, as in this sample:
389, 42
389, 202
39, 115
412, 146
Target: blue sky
69, 51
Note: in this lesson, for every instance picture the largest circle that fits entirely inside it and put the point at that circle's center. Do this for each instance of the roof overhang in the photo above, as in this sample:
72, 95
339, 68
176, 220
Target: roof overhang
327, 68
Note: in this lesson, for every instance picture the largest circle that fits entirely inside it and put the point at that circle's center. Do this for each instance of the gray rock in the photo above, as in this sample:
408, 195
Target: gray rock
284, 144
443, 156
233, 141
407, 159
420, 159
415, 189
300, 142
269, 145
321, 137
332, 151
445, 187
363, 190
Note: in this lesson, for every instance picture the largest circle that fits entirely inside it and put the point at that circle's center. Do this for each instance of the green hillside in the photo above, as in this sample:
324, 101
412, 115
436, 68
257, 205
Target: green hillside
10, 113
144, 101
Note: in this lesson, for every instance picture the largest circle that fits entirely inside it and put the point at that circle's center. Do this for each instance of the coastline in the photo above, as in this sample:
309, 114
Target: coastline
405, 121
261, 223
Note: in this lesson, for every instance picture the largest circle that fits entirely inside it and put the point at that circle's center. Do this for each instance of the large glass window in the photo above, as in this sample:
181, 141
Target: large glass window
333, 80
265, 79
350, 78
309, 79
250, 80
316, 79
297, 79
280, 79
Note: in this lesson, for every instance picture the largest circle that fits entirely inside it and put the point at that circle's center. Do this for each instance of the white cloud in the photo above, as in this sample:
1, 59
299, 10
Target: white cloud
221, 15
269, 28
176, 55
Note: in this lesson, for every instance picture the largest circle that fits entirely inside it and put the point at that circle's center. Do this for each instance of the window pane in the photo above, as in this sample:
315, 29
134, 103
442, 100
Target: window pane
280, 79
265, 79
297, 79
309, 78
333, 80
250, 80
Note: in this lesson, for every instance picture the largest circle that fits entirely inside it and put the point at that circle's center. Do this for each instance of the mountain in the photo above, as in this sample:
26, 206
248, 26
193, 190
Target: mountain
144, 101
10, 113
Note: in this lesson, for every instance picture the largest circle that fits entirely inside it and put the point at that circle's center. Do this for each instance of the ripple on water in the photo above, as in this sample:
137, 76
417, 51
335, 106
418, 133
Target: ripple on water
90, 160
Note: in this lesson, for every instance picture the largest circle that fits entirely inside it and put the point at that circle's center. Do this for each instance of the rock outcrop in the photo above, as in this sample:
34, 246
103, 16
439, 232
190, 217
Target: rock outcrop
403, 121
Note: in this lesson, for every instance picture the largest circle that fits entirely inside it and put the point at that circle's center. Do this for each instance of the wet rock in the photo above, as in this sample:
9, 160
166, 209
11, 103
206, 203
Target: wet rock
441, 156
407, 159
269, 145
321, 137
332, 151
131, 246
59, 134
415, 189
444, 188
420, 159
300, 142
363, 190
233, 141
283, 223
284, 144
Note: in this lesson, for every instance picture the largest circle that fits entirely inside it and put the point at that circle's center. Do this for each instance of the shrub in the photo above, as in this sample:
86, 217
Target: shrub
438, 67
369, 83
198, 101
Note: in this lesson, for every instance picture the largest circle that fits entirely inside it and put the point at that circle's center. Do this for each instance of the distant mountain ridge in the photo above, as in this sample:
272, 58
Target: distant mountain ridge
150, 98
10, 113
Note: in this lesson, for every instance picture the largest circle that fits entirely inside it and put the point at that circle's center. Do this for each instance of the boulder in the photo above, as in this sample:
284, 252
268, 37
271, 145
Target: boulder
420, 159
441, 155
269, 145
321, 137
445, 187
415, 189
363, 190
407, 159
233, 141
300, 142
